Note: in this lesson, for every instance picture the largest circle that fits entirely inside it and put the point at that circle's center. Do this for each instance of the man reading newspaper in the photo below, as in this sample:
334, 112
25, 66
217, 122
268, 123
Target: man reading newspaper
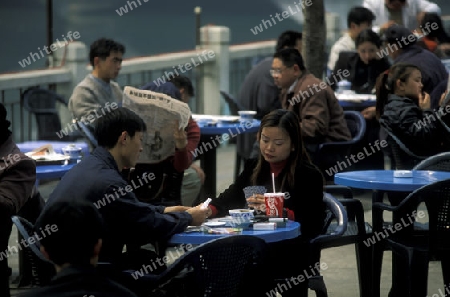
163, 115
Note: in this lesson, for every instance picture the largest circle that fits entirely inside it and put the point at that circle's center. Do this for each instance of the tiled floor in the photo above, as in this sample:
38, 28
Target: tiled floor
341, 275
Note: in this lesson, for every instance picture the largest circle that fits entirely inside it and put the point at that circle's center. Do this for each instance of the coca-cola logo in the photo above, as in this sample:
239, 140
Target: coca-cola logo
271, 204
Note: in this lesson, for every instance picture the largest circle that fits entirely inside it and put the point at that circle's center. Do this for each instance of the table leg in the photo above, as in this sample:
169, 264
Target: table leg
208, 164
377, 248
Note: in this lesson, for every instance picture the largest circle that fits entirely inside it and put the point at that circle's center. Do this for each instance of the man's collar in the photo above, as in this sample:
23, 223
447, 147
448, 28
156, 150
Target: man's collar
292, 87
100, 81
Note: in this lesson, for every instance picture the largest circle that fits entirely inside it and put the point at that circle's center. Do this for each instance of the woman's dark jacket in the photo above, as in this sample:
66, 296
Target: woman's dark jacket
420, 131
362, 76
305, 198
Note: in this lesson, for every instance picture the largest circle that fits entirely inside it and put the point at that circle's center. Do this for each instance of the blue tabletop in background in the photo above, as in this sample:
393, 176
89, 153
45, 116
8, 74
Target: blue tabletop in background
385, 180
232, 129
291, 230
52, 171
28, 146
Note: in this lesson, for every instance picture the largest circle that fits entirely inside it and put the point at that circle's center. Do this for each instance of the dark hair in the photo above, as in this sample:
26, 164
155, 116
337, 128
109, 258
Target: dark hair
290, 57
359, 15
288, 39
4, 124
394, 33
290, 123
181, 81
110, 126
103, 47
69, 231
386, 83
439, 33
168, 88
367, 35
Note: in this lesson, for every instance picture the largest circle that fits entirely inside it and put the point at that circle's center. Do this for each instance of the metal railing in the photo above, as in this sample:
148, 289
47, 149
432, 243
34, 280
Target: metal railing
135, 72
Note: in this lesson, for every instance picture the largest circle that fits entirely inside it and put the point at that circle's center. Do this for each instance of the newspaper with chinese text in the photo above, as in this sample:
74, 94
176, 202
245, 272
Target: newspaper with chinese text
160, 113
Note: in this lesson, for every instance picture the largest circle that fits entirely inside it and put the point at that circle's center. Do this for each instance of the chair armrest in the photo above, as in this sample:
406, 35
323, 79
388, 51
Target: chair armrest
355, 208
345, 191
339, 143
384, 206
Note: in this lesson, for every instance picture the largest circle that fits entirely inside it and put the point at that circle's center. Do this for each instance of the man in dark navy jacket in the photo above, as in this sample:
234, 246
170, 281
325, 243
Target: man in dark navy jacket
97, 179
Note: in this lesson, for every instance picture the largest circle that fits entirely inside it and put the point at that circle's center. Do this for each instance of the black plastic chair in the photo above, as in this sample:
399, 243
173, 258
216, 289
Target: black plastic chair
42, 103
439, 162
404, 158
344, 224
412, 249
42, 269
87, 133
335, 212
232, 103
228, 266
328, 154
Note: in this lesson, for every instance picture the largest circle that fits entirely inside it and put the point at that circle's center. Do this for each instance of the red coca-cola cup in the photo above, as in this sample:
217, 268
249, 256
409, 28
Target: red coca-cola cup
274, 204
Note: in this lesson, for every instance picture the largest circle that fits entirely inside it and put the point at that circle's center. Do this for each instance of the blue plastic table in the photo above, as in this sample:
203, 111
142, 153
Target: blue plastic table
381, 181
356, 101
291, 230
52, 171
233, 129
28, 146
209, 142
385, 180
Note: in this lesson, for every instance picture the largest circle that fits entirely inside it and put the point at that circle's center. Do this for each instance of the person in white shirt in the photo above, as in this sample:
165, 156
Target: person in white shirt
358, 19
407, 13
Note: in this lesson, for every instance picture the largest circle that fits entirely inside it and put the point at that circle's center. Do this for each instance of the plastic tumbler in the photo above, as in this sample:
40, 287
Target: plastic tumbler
274, 204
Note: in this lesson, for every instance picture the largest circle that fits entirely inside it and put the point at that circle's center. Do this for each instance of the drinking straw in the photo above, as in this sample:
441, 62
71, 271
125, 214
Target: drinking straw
273, 182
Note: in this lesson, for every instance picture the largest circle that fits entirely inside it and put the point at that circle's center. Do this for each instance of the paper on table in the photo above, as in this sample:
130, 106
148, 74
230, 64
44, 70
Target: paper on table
199, 117
46, 153
356, 97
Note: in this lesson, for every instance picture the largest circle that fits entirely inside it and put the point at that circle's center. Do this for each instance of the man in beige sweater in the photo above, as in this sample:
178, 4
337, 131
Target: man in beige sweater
98, 90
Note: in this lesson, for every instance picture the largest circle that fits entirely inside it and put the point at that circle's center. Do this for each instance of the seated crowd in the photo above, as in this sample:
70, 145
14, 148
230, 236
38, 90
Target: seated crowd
99, 222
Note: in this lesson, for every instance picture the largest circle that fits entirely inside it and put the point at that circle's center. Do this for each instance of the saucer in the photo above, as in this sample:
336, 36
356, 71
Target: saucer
214, 224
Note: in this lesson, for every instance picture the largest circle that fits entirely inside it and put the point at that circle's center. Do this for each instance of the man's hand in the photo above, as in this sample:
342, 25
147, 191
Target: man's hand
178, 208
180, 137
369, 113
198, 214
424, 101
200, 172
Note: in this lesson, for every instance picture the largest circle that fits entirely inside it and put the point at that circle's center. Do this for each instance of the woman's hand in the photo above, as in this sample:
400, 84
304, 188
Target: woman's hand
424, 101
257, 202
441, 101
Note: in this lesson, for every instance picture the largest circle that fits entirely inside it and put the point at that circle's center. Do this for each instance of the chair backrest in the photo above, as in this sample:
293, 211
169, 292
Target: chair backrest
356, 124
232, 103
42, 269
436, 197
330, 153
223, 267
439, 162
42, 103
87, 133
404, 159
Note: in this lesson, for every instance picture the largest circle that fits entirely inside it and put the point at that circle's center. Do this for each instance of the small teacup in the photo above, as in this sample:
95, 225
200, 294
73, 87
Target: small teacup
241, 218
